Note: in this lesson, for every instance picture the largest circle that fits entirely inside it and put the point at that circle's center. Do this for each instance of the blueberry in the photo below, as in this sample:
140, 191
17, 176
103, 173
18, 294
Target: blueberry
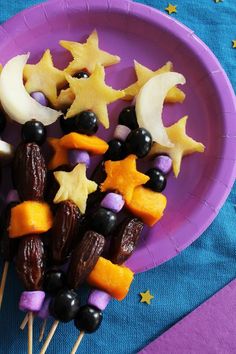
2, 121
88, 319
139, 142
65, 306
67, 125
86, 123
33, 131
128, 117
157, 180
54, 281
103, 221
82, 74
116, 150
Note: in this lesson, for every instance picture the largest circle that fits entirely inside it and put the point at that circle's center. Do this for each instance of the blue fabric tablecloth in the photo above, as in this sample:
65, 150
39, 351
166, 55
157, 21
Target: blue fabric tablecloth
181, 284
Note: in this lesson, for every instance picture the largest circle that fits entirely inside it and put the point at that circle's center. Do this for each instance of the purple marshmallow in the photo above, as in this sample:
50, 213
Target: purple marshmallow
79, 156
12, 196
113, 202
121, 132
163, 163
31, 301
99, 299
44, 311
40, 98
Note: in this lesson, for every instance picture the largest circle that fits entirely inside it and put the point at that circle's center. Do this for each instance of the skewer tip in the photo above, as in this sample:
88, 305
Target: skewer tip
77, 343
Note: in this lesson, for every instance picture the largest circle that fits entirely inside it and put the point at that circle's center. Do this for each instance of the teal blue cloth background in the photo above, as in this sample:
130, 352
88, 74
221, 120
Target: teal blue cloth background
181, 284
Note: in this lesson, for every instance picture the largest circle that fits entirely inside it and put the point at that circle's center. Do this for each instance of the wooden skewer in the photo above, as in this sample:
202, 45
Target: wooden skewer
49, 337
77, 343
42, 331
30, 332
3, 281
24, 322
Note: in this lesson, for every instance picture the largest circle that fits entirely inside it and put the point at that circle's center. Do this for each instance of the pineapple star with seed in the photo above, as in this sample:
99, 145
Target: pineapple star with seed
92, 94
74, 186
122, 176
88, 55
144, 74
44, 77
183, 145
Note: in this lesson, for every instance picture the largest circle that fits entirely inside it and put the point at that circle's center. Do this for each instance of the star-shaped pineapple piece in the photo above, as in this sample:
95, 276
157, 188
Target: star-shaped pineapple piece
92, 94
123, 177
183, 144
74, 186
144, 74
171, 9
88, 55
234, 43
60, 154
44, 77
146, 297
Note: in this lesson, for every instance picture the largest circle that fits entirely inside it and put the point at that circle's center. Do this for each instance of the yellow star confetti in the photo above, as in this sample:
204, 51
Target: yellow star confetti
217, 1
44, 77
146, 297
122, 176
92, 94
144, 74
74, 186
234, 43
183, 144
60, 155
171, 9
88, 55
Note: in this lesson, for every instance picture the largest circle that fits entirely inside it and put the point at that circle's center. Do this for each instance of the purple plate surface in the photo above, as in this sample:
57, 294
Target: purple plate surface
135, 31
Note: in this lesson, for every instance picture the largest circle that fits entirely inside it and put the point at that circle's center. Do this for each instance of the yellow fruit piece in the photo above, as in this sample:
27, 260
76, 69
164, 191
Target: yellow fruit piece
60, 154
88, 55
74, 186
44, 77
30, 217
92, 94
65, 99
123, 177
144, 75
147, 205
183, 144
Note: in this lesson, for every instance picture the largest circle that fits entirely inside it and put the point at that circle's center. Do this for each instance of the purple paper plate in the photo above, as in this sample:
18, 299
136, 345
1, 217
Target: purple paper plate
134, 31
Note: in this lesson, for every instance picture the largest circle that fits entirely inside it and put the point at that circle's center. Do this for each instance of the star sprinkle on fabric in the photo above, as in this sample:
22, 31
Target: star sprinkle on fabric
74, 186
146, 297
234, 43
44, 77
88, 55
183, 144
60, 155
93, 94
171, 9
144, 74
123, 177
217, 1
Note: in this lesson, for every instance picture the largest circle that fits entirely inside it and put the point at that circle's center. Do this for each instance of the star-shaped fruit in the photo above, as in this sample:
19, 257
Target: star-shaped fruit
146, 297
144, 74
234, 43
60, 155
123, 177
44, 77
183, 144
171, 9
88, 55
74, 186
92, 94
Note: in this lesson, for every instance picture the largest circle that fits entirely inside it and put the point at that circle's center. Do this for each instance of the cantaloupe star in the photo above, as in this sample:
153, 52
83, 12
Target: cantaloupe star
44, 77
123, 177
92, 94
144, 74
88, 55
183, 144
74, 186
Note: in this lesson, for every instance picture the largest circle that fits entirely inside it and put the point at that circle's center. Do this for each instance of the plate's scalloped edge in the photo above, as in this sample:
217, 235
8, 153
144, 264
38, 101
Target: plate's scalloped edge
218, 77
